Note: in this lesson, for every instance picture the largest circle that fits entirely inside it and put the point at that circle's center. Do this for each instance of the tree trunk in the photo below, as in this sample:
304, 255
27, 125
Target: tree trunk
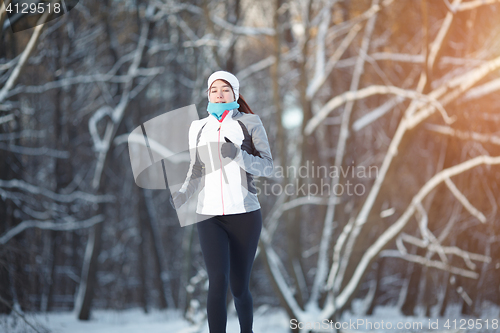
408, 308
187, 245
479, 290
83, 302
143, 297
5, 289
50, 241
446, 294
157, 251
233, 16
380, 270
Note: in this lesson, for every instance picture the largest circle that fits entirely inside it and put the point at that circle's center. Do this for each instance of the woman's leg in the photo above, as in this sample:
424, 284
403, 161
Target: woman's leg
215, 248
244, 232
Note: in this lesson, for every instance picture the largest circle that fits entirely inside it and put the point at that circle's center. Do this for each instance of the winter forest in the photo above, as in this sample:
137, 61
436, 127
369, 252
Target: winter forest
385, 135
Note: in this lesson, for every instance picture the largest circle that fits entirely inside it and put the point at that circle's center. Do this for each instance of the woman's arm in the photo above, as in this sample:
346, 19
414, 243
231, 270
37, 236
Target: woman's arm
195, 171
261, 162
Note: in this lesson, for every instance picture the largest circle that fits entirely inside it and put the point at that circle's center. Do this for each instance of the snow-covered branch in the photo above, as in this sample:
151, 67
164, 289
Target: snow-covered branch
465, 255
24, 57
282, 207
461, 83
319, 64
64, 198
323, 71
411, 58
369, 13
322, 265
486, 138
376, 113
174, 7
398, 226
116, 114
438, 42
15, 309
364, 93
456, 87
430, 263
6, 119
42, 151
463, 200
256, 67
9, 64
274, 264
474, 4
95, 78
240, 30
483, 90
428, 236
49, 225
339, 245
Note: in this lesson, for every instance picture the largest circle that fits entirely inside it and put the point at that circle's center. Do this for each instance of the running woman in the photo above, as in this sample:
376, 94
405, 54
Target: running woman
228, 149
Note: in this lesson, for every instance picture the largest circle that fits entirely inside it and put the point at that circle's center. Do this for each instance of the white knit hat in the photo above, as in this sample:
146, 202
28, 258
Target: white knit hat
223, 75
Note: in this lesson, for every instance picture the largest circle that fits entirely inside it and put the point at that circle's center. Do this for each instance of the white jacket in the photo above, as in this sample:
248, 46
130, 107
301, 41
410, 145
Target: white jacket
229, 189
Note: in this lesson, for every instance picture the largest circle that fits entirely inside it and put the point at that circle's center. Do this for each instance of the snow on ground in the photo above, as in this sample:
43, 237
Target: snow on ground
135, 321
266, 320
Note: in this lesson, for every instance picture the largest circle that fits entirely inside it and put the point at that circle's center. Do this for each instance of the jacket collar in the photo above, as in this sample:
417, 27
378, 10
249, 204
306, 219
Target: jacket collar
227, 113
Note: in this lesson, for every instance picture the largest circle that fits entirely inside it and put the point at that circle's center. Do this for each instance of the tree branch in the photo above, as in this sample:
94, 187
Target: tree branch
474, 4
5, 302
35, 151
483, 90
376, 113
456, 86
430, 263
274, 263
11, 63
367, 92
398, 226
339, 245
116, 114
24, 57
322, 72
6, 119
466, 256
463, 200
49, 225
95, 78
322, 265
480, 137
65, 198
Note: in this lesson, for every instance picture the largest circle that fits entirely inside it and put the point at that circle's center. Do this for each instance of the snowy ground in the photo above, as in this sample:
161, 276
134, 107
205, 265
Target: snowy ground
135, 321
267, 320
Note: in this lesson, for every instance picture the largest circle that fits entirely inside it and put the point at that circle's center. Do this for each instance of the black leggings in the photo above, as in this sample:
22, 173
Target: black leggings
228, 243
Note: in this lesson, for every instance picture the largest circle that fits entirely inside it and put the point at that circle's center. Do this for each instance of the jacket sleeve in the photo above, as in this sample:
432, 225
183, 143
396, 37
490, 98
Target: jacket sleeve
195, 171
261, 162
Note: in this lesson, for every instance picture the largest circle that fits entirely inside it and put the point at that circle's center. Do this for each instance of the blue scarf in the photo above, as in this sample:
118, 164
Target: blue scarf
217, 109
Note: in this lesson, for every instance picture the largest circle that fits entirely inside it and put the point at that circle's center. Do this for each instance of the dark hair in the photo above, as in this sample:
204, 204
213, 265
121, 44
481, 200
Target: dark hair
241, 101
244, 105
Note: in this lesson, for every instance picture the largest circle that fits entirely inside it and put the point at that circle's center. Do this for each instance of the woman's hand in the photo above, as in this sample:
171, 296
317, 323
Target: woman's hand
229, 149
177, 199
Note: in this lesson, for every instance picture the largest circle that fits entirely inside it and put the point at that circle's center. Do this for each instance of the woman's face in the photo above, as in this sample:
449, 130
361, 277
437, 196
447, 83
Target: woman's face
221, 92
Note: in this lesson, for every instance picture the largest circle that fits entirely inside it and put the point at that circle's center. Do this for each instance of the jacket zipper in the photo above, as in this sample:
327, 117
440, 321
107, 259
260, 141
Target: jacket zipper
220, 161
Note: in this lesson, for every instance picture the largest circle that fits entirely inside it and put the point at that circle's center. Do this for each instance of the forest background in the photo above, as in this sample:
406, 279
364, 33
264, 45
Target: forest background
406, 88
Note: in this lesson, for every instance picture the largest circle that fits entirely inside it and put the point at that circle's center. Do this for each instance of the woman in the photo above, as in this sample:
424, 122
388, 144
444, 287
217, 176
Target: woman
228, 148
